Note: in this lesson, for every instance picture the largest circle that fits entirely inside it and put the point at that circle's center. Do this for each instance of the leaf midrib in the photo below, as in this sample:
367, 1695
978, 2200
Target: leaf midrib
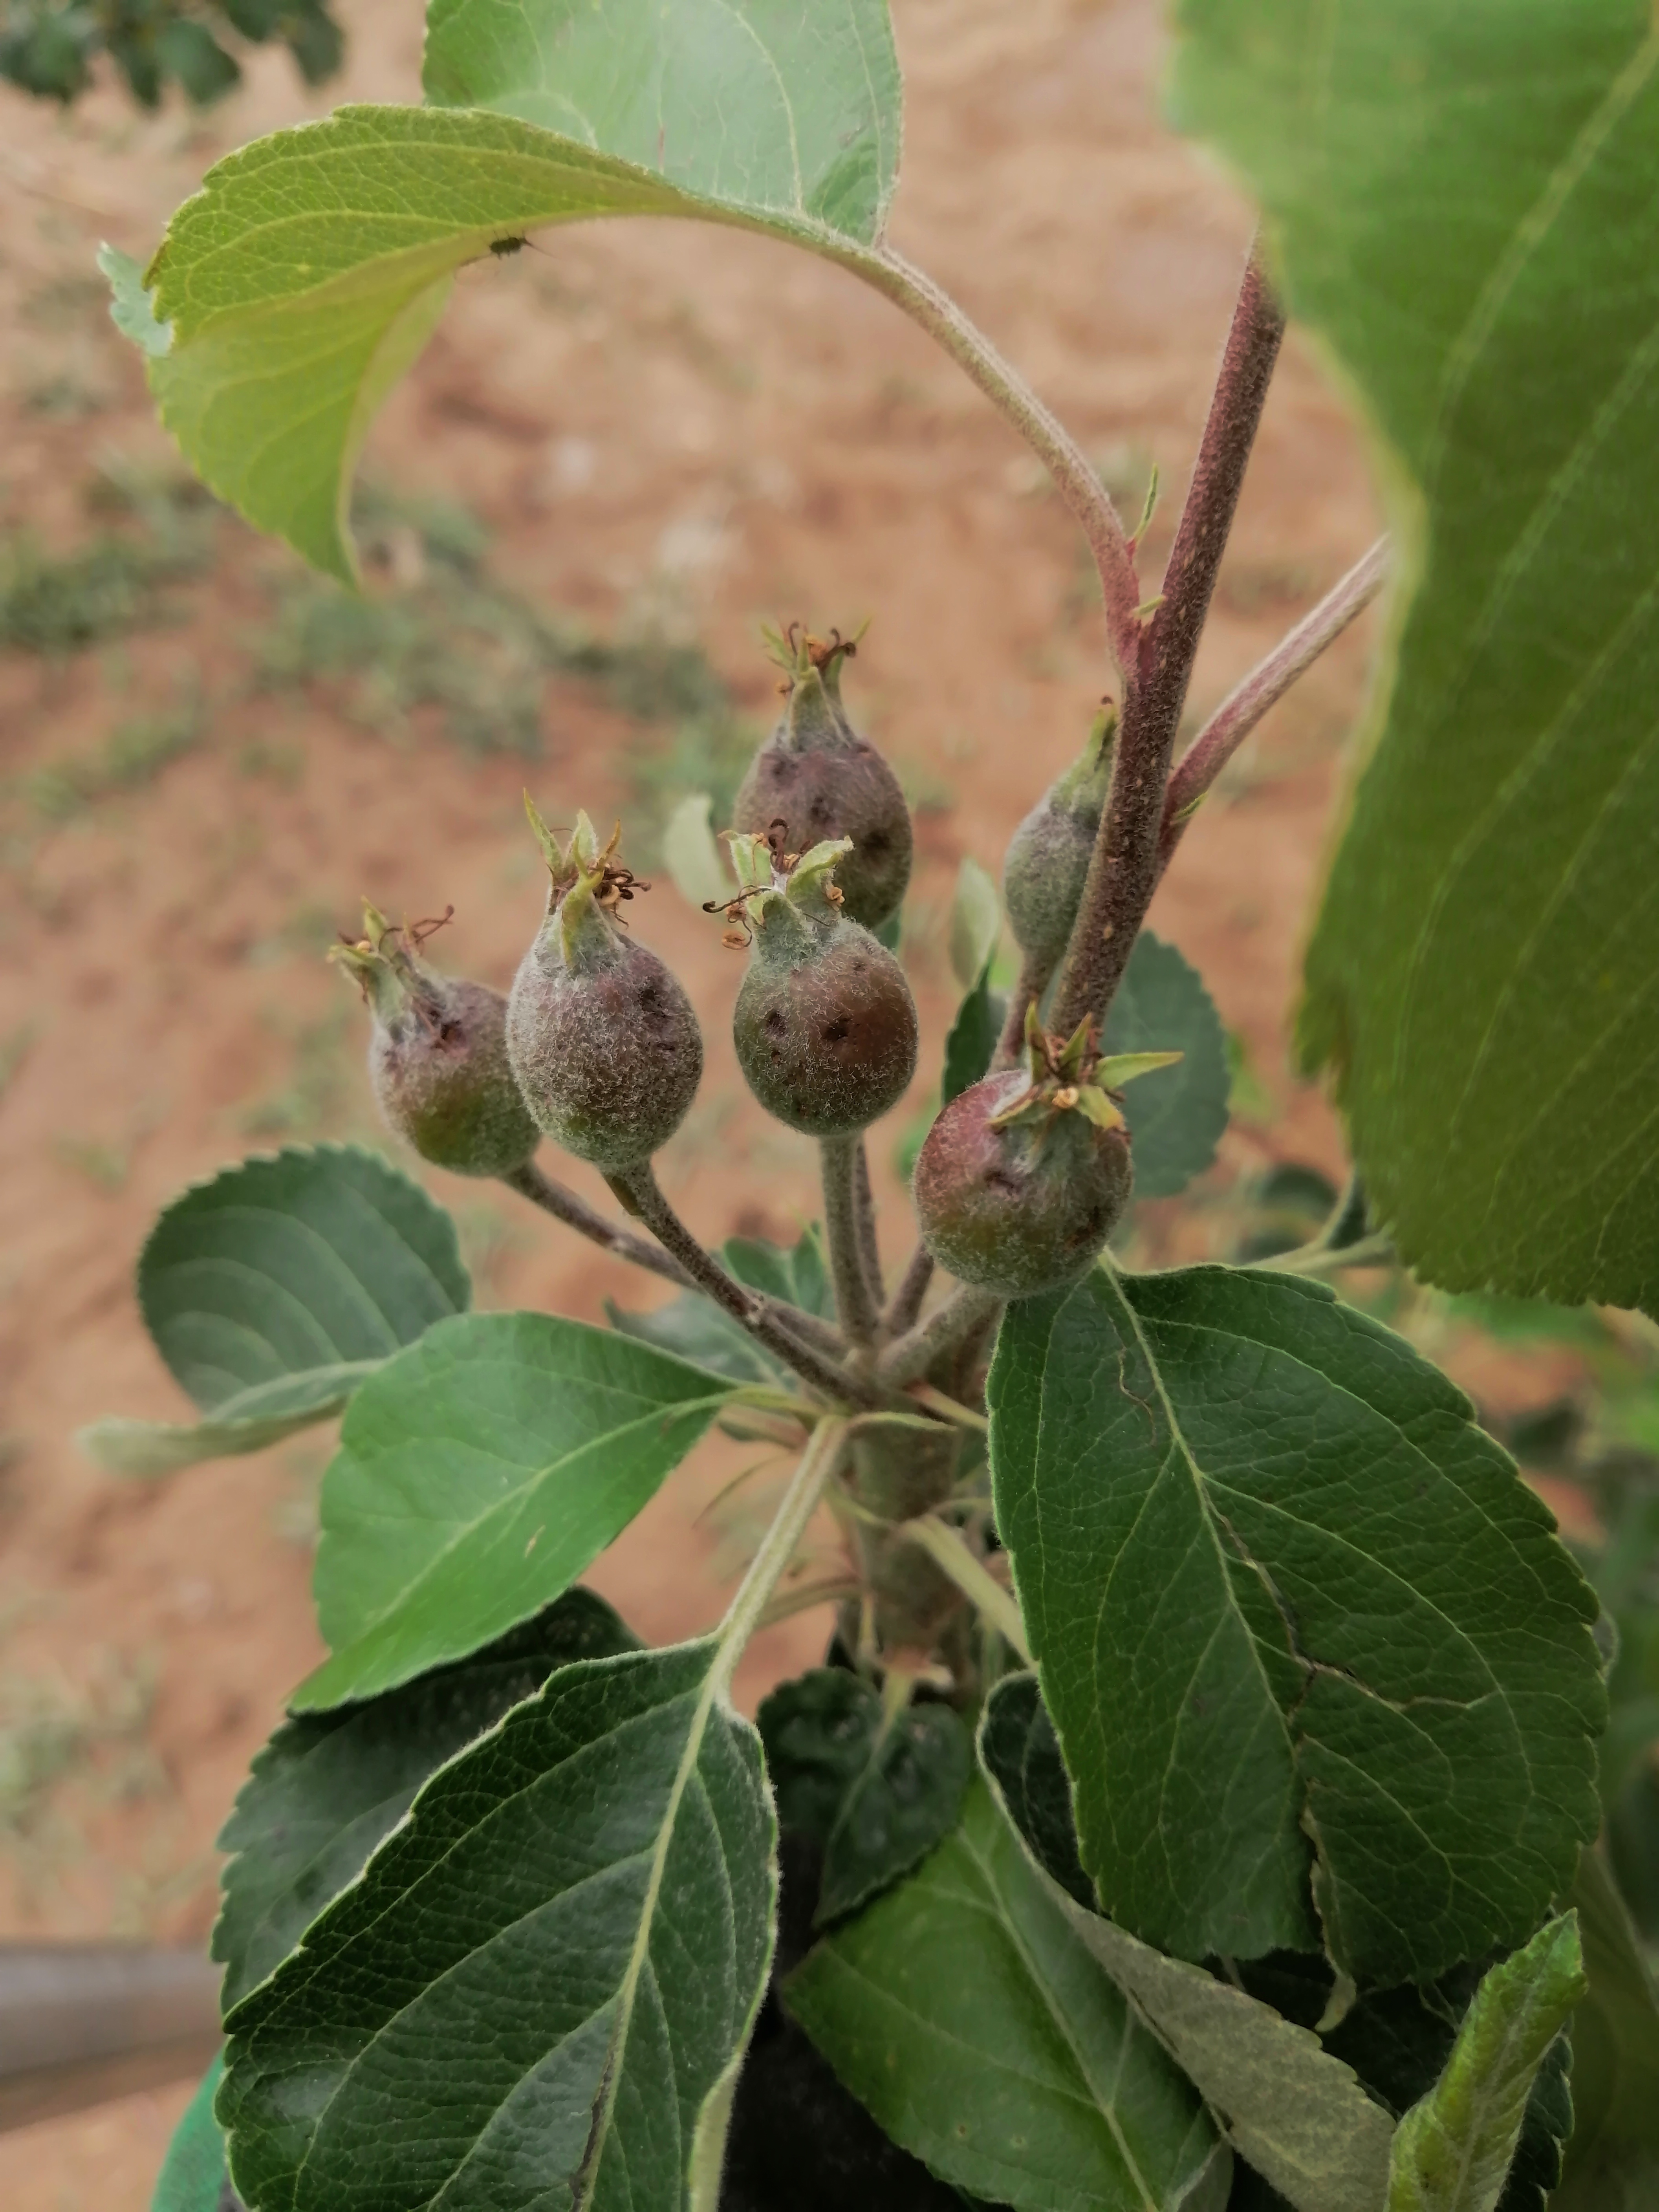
465, 1837
1107, 2111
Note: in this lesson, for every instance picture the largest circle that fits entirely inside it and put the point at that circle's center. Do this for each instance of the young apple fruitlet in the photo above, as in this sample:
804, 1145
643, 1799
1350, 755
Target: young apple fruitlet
437, 1053
602, 1038
1024, 1176
816, 773
1048, 855
824, 1024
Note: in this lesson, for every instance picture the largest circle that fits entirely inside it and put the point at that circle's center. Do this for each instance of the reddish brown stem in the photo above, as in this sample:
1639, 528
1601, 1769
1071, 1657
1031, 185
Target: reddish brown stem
1244, 707
1124, 871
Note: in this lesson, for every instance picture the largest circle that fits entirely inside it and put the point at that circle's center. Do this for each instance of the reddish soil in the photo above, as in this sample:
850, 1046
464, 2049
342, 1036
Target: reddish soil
644, 411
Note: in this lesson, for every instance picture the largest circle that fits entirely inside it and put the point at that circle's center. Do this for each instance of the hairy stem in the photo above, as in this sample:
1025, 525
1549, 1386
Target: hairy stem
912, 1290
869, 1245
1244, 707
854, 1305
1124, 871
1034, 975
753, 1313
575, 1212
967, 1309
1077, 482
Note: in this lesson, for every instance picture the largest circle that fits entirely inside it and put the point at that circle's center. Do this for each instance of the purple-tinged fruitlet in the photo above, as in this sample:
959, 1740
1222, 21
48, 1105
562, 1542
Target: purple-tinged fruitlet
816, 773
824, 1024
1048, 858
437, 1054
1024, 1176
602, 1040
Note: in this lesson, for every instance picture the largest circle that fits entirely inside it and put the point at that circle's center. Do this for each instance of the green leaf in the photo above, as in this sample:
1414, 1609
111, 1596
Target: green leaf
538, 1990
1452, 2151
808, 99
973, 1039
479, 1473
247, 1423
693, 1327
193, 2172
329, 1788
1295, 2113
798, 1275
690, 855
1614, 2146
285, 1270
130, 308
1462, 210
1175, 1117
875, 1792
976, 923
1395, 2042
1293, 1613
962, 2010
1020, 1753
308, 272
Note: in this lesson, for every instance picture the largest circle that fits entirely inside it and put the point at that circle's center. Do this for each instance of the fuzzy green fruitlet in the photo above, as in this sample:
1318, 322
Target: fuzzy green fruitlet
437, 1056
822, 780
824, 1025
1048, 855
602, 1040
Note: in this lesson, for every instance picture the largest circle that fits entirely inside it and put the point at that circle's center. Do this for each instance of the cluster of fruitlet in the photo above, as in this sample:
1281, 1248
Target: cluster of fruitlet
1023, 1176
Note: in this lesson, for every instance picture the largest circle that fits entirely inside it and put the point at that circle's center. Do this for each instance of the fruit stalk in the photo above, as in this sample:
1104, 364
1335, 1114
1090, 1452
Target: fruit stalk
949, 1326
641, 1192
1124, 871
1034, 980
575, 1213
901, 1314
854, 1301
869, 1244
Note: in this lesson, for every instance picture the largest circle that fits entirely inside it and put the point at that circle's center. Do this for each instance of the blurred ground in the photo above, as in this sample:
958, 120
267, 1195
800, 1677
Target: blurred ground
204, 758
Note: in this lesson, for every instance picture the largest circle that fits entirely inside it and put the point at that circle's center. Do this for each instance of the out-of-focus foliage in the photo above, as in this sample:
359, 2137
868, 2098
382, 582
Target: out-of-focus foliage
51, 50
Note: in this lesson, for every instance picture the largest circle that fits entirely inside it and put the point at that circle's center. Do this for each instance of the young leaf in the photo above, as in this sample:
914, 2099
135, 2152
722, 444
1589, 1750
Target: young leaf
539, 1987
287, 1270
478, 1474
1292, 1611
875, 1793
193, 2173
247, 1423
1295, 2112
690, 854
693, 1327
962, 2009
329, 1788
1175, 1117
130, 309
976, 923
798, 1275
1398, 2042
1452, 2151
1481, 974
1612, 2157
973, 1039
309, 271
